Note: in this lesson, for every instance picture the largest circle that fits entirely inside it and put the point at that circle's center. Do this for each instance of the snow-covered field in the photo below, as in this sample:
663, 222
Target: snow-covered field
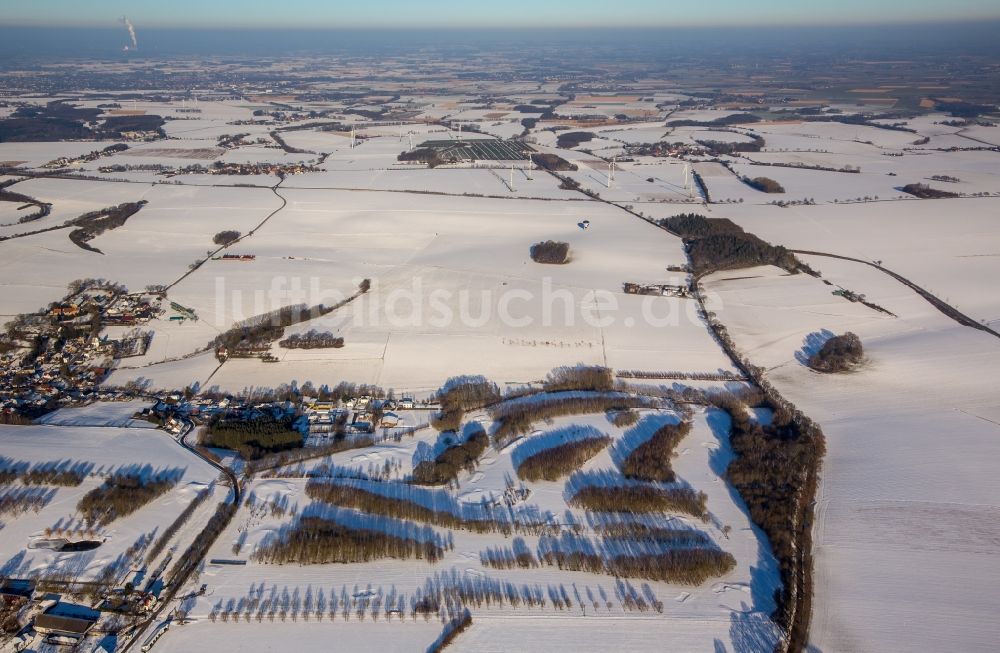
92, 440
906, 532
729, 609
906, 535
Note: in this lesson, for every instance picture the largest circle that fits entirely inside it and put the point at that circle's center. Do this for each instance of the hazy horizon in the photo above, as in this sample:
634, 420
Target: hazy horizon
513, 13
959, 38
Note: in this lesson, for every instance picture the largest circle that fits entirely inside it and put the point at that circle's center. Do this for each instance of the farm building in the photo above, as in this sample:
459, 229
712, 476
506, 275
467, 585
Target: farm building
63, 625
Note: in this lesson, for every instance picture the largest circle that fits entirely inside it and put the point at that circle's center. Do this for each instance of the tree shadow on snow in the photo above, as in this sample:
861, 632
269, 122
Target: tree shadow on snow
811, 345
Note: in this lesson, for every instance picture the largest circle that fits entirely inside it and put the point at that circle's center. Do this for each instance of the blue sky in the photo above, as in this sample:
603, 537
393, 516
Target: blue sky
480, 13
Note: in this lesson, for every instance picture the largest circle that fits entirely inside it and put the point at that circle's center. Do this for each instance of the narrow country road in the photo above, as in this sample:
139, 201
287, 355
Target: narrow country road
945, 308
199, 263
186, 567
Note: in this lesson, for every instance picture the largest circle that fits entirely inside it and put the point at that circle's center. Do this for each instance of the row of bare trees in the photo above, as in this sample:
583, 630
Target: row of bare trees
640, 499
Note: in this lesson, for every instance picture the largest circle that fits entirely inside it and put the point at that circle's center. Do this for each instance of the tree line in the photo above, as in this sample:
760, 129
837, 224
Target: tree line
720, 244
514, 418
450, 462
120, 495
640, 499
650, 461
360, 499
312, 339
93, 224
459, 395
687, 566
553, 463
322, 541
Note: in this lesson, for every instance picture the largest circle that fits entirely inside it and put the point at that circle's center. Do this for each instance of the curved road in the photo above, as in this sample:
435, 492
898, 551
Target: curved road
189, 566
945, 308
198, 264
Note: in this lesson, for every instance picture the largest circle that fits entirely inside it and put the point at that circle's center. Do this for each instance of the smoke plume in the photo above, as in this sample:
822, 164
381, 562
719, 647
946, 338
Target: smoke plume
131, 34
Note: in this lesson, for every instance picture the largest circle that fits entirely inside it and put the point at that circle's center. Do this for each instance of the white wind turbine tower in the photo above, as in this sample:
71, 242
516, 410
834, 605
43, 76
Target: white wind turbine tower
611, 171
409, 135
688, 186
529, 166
512, 177
352, 137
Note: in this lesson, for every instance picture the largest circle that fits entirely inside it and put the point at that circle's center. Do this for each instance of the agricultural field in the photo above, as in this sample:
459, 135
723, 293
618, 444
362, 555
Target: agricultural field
406, 356
734, 603
95, 445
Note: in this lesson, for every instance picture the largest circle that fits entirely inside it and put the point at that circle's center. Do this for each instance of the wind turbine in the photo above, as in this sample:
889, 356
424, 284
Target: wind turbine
529, 166
687, 179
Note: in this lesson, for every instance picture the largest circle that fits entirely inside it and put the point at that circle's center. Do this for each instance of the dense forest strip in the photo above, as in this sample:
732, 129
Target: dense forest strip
25, 234
776, 472
43, 208
945, 308
779, 476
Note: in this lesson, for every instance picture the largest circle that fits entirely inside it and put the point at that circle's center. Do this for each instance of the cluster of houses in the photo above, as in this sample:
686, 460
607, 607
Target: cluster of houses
237, 169
361, 414
49, 620
131, 309
657, 289
664, 149
58, 358
141, 136
65, 161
